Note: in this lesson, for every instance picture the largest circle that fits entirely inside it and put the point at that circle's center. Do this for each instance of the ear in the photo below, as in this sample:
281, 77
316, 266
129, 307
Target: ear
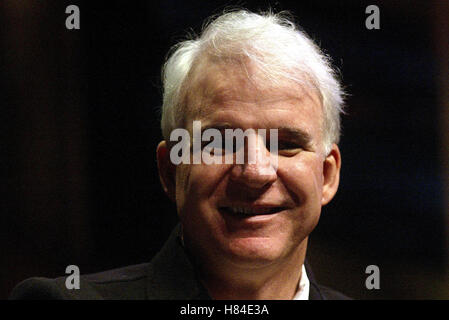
167, 170
331, 174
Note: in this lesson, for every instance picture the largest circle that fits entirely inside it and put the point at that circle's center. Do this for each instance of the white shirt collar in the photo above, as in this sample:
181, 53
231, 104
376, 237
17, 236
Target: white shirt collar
303, 287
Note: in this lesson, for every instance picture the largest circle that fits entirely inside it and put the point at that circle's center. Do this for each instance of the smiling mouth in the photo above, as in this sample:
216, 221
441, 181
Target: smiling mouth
252, 211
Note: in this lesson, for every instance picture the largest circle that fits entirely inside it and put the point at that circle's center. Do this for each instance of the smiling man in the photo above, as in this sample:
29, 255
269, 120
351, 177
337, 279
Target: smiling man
243, 226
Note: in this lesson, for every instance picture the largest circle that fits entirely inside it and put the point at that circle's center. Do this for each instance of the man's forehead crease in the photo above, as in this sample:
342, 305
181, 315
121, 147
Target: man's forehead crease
201, 96
222, 98
219, 87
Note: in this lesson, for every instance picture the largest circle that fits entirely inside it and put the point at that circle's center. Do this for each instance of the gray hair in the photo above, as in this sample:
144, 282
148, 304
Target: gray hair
274, 44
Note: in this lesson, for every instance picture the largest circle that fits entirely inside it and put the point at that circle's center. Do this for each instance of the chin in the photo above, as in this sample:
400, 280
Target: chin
254, 251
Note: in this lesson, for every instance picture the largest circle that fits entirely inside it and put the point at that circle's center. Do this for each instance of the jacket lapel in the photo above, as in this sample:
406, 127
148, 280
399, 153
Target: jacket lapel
315, 292
171, 275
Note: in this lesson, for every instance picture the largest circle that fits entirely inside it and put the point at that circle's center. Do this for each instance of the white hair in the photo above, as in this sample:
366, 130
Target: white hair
274, 44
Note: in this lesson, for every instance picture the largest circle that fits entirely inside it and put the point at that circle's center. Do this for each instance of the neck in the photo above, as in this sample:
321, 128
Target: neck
276, 281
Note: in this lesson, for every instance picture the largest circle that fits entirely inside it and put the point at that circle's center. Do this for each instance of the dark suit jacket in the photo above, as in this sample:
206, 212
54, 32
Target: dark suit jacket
169, 276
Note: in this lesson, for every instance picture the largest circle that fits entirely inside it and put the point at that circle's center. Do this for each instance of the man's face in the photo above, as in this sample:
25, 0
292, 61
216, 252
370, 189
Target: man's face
283, 203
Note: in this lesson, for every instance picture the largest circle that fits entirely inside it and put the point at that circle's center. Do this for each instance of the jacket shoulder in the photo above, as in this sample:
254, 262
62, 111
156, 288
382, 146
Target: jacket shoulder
123, 283
331, 294
37, 288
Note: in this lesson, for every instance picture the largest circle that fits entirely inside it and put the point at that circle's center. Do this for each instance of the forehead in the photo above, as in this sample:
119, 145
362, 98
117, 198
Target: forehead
221, 89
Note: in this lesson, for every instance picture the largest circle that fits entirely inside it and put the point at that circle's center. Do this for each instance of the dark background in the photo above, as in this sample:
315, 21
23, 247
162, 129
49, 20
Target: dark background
79, 125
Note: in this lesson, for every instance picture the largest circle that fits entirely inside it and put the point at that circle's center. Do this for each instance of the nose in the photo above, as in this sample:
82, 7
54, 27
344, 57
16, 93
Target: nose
259, 169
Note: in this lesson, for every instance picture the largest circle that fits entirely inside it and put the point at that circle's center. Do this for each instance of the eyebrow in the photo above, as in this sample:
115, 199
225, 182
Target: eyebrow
296, 134
219, 127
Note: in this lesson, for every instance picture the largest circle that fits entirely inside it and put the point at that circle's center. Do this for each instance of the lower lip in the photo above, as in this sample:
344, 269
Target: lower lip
250, 219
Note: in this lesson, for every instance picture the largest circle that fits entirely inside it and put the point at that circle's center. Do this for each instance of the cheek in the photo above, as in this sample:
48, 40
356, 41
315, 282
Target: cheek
303, 179
197, 185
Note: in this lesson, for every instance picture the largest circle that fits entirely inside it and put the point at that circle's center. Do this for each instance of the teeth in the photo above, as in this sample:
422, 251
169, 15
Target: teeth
249, 211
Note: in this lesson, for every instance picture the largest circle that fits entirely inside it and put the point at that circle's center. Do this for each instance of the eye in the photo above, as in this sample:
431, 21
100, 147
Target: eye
211, 147
289, 148
232, 146
288, 145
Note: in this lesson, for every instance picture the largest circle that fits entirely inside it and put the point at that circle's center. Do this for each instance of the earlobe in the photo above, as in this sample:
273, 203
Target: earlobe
167, 170
331, 174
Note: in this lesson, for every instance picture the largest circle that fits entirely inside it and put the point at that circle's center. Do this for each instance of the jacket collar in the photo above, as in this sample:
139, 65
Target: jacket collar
171, 275
314, 292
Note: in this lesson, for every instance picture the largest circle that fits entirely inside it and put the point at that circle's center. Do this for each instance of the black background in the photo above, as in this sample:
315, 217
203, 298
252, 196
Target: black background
79, 125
